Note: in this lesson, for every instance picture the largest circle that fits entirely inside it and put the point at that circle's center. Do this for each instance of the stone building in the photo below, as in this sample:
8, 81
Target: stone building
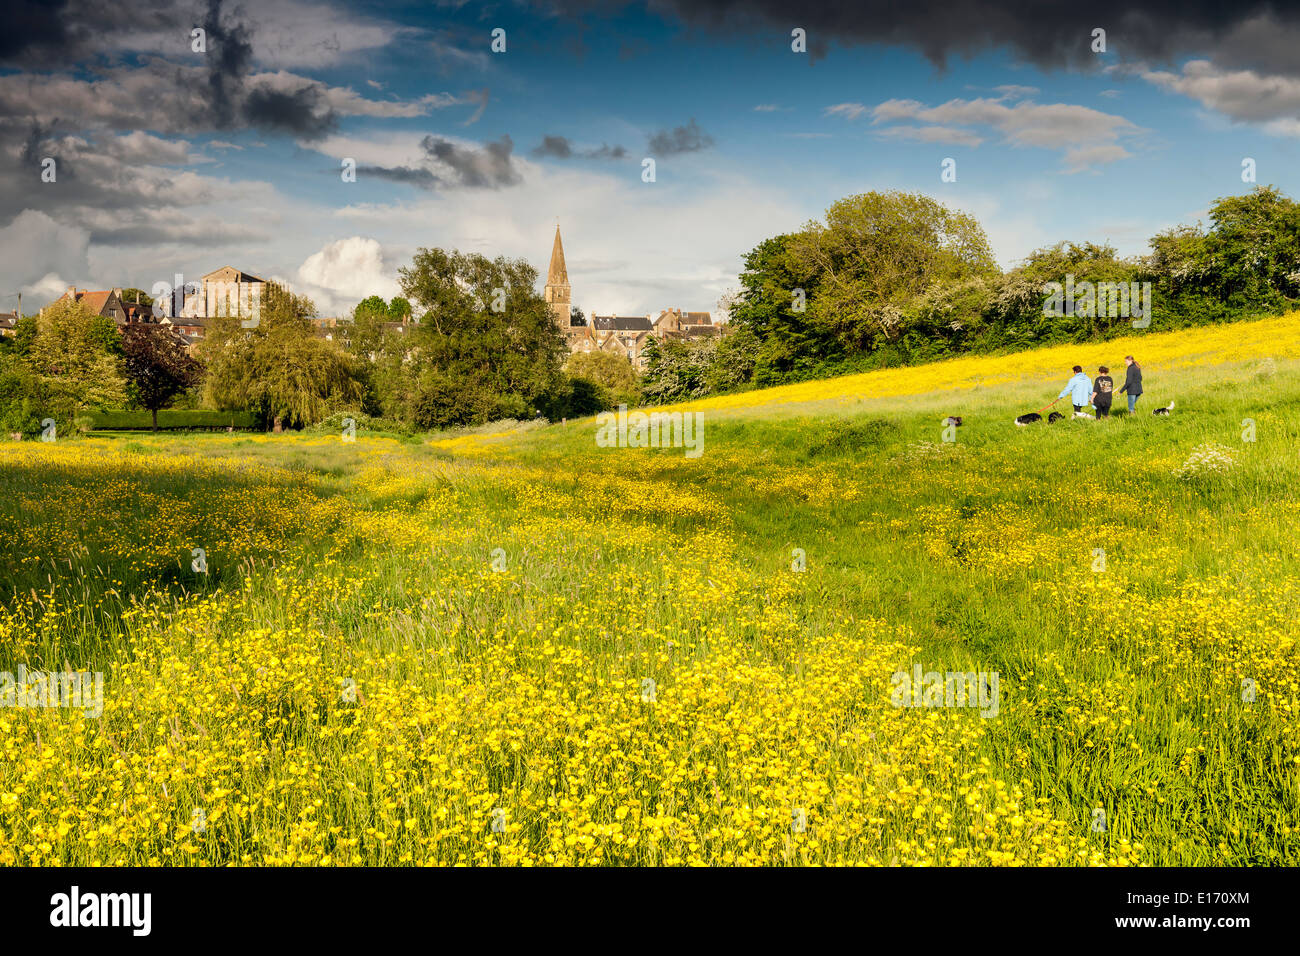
624, 335
558, 294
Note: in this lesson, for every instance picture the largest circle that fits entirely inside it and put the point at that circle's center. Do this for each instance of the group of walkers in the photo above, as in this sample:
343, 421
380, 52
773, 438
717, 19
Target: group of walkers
1100, 392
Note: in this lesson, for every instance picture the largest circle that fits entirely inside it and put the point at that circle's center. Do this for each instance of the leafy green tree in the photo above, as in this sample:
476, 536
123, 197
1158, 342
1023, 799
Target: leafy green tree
77, 358
280, 368
1014, 315
734, 359
677, 369
851, 286
614, 373
20, 342
399, 308
485, 347
157, 364
104, 333
1252, 252
773, 305
136, 297
22, 397
366, 337
875, 253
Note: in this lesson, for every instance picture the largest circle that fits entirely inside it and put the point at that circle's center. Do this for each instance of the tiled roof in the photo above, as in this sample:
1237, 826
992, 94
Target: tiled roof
621, 323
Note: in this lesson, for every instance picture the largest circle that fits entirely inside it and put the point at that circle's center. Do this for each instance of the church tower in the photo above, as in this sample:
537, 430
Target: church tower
557, 284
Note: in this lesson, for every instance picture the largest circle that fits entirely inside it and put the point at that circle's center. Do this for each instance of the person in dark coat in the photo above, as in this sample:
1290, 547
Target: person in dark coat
1132, 382
1103, 388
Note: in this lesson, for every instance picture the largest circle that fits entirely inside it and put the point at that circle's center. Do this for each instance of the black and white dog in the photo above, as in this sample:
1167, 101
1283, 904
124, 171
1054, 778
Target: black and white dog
1164, 411
1032, 417
951, 420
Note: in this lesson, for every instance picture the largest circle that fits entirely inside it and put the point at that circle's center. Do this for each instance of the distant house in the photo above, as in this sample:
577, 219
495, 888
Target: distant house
106, 303
627, 335
137, 313
9, 323
686, 324
192, 329
622, 333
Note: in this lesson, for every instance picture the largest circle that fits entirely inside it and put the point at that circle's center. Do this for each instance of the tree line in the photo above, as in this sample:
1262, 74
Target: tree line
894, 278
884, 279
469, 341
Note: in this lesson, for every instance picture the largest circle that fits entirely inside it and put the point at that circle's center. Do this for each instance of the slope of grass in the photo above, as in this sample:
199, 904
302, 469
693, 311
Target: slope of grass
518, 647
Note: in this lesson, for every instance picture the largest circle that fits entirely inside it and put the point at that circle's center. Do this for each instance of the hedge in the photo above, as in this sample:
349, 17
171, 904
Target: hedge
169, 418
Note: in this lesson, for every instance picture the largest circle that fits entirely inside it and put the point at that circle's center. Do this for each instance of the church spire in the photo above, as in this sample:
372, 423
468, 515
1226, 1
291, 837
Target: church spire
557, 274
557, 284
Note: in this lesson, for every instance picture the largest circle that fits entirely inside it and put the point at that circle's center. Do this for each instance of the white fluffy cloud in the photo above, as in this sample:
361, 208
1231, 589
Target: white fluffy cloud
1086, 137
1241, 95
344, 272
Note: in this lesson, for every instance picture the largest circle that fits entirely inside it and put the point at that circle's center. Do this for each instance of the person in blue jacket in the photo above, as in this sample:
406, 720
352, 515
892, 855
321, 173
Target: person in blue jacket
1079, 389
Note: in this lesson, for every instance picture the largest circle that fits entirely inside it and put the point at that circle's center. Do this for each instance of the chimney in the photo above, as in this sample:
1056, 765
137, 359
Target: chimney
118, 293
72, 292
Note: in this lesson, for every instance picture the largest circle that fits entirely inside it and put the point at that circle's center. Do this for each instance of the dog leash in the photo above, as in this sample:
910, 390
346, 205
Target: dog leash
1046, 407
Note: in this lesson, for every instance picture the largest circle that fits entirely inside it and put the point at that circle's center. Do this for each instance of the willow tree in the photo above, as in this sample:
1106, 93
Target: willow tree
279, 368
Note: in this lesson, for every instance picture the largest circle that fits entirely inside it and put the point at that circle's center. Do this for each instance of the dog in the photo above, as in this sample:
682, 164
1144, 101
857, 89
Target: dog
951, 420
1032, 417
1164, 411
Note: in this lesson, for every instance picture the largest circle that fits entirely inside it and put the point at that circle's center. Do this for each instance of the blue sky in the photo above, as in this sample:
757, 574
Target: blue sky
175, 161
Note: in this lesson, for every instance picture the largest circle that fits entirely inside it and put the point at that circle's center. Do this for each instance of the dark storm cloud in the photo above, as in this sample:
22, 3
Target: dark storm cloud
451, 165
489, 166
299, 112
229, 55
32, 24
117, 189
559, 147
42, 34
554, 147
32, 152
1046, 34
207, 91
416, 176
681, 139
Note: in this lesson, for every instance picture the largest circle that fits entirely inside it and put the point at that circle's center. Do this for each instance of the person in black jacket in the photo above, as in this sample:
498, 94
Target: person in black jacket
1132, 382
1102, 392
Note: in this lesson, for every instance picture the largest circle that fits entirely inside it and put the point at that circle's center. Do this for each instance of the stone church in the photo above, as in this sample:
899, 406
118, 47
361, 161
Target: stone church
624, 335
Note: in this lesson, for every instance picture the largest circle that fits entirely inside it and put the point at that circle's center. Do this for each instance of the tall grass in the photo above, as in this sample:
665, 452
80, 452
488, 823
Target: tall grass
440, 653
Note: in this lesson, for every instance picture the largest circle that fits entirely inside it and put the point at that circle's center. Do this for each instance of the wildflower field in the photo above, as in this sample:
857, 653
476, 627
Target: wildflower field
514, 647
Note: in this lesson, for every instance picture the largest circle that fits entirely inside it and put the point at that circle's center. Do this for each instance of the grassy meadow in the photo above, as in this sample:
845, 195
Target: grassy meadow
440, 651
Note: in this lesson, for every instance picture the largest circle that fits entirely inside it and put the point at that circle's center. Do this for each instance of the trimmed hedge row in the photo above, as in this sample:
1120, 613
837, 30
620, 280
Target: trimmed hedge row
169, 418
